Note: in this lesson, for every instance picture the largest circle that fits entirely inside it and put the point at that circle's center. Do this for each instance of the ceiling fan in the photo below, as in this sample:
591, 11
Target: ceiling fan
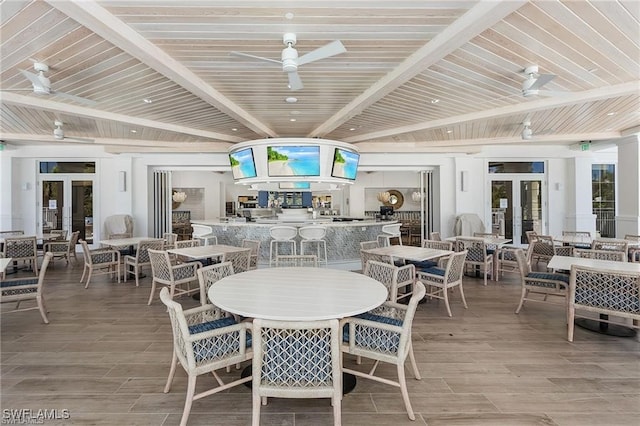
58, 133
528, 134
534, 81
290, 61
42, 85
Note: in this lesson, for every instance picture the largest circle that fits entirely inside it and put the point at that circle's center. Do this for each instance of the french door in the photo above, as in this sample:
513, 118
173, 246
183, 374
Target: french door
67, 203
517, 206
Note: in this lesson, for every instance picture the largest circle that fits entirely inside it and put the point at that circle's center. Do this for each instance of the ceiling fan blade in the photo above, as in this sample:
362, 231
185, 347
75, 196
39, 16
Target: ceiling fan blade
331, 49
75, 98
260, 58
34, 79
295, 83
541, 81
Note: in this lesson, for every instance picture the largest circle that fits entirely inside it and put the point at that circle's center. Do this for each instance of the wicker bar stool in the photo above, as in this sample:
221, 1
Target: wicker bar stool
314, 236
281, 235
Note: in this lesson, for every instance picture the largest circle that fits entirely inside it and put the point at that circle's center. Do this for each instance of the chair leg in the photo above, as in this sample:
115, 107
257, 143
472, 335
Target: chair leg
414, 365
153, 289
172, 372
255, 417
42, 310
337, 410
191, 389
405, 393
445, 296
522, 297
89, 277
136, 271
570, 317
84, 271
464, 301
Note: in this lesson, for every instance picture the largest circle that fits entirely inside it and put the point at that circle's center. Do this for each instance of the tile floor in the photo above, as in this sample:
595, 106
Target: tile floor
105, 357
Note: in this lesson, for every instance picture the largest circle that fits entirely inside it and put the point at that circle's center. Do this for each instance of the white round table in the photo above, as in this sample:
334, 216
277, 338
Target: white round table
297, 294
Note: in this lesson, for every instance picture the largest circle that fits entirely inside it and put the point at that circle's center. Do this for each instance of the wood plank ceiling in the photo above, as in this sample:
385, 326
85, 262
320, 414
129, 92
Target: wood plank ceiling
417, 75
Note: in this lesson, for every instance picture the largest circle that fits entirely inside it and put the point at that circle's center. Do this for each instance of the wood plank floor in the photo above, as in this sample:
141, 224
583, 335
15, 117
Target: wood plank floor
105, 358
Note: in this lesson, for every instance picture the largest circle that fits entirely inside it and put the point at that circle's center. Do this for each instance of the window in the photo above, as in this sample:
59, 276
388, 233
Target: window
67, 167
603, 190
516, 167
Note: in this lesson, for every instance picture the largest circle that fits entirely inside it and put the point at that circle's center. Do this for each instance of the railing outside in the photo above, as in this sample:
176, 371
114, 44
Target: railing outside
605, 222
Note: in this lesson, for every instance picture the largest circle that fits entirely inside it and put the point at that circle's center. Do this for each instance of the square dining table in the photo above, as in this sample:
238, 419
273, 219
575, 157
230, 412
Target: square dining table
411, 253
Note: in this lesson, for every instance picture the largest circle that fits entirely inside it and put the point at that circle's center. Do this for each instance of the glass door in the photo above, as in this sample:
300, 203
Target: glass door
517, 207
67, 204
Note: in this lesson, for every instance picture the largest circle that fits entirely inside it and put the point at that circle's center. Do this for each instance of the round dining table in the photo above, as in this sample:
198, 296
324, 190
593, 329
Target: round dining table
298, 294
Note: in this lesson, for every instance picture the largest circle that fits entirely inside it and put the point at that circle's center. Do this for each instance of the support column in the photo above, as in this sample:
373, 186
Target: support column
628, 199
580, 215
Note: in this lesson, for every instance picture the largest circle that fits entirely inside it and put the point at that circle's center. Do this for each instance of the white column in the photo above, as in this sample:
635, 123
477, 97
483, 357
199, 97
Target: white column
5, 193
579, 216
628, 197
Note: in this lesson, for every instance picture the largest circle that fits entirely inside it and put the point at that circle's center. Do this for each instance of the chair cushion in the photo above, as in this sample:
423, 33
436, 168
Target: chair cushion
379, 318
423, 264
211, 325
434, 271
13, 283
373, 338
548, 276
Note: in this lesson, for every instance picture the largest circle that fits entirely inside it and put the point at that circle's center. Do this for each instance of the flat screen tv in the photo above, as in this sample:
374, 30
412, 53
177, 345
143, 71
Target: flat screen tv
345, 164
289, 160
295, 185
243, 164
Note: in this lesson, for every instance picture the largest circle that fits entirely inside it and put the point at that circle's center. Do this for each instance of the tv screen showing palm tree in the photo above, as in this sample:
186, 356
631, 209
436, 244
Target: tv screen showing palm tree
293, 160
243, 164
345, 164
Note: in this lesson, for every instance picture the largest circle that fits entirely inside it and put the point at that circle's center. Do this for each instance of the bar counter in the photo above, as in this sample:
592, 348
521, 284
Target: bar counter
343, 238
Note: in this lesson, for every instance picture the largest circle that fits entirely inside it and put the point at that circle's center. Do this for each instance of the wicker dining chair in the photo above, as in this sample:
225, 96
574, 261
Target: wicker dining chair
367, 245
133, 264
240, 259
384, 335
23, 249
393, 277
542, 283
613, 245
173, 276
633, 250
366, 255
297, 359
204, 341
65, 249
209, 275
615, 256
24, 289
101, 261
439, 280
254, 245
478, 255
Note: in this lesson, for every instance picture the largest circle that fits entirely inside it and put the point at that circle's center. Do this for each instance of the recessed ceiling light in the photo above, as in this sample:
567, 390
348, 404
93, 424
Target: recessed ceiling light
291, 100
147, 101
352, 129
611, 113
449, 131
435, 101
288, 15
134, 131
294, 112
234, 129
292, 119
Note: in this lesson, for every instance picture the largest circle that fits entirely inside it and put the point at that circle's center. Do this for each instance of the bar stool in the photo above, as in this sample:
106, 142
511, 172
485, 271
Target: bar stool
389, 232
281, 235
314, 235
204, 233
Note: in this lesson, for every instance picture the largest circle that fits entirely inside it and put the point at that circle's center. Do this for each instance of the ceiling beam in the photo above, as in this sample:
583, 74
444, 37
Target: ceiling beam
478, 19
97, 19
80, 111
568, 98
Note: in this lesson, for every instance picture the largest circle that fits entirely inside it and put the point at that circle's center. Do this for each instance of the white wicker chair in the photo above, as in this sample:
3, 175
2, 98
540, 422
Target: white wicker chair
204, 340
367, 245
22, 249
170, 239
173, 276
133, 264
393, 277
306, 260
187, 243
435, 236
22, 289
542, 283
298, 359
99, 262
209, 275
616, 256
384, 334
254, 245
477, 255
63, 249
617, 245
366, 255
440, 279
633, 250
390, 231
605, 292
240, 259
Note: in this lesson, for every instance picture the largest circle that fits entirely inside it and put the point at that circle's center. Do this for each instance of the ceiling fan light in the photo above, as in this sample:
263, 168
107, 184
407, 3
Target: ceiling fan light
527, 133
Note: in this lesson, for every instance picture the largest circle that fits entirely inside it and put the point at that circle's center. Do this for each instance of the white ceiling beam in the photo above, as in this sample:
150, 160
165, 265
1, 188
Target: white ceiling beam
622, 89
96, 18
80, 111
478, 19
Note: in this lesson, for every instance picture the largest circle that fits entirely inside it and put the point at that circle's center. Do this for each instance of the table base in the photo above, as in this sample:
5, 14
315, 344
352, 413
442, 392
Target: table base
605, 328
348, 380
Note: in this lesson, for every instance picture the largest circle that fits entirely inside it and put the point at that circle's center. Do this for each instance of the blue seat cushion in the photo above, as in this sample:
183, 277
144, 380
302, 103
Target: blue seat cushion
547, 276
423, 264
434, 271
381, 340
13, 283
211, 325
491, 251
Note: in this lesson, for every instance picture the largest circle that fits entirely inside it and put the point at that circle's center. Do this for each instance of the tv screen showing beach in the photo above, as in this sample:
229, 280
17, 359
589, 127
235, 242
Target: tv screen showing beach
295, 185
345, 164
242, 164
293, 160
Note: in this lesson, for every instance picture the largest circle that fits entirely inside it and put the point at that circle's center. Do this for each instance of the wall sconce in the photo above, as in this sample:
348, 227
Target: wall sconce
464, 181
122, 181
383, 197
